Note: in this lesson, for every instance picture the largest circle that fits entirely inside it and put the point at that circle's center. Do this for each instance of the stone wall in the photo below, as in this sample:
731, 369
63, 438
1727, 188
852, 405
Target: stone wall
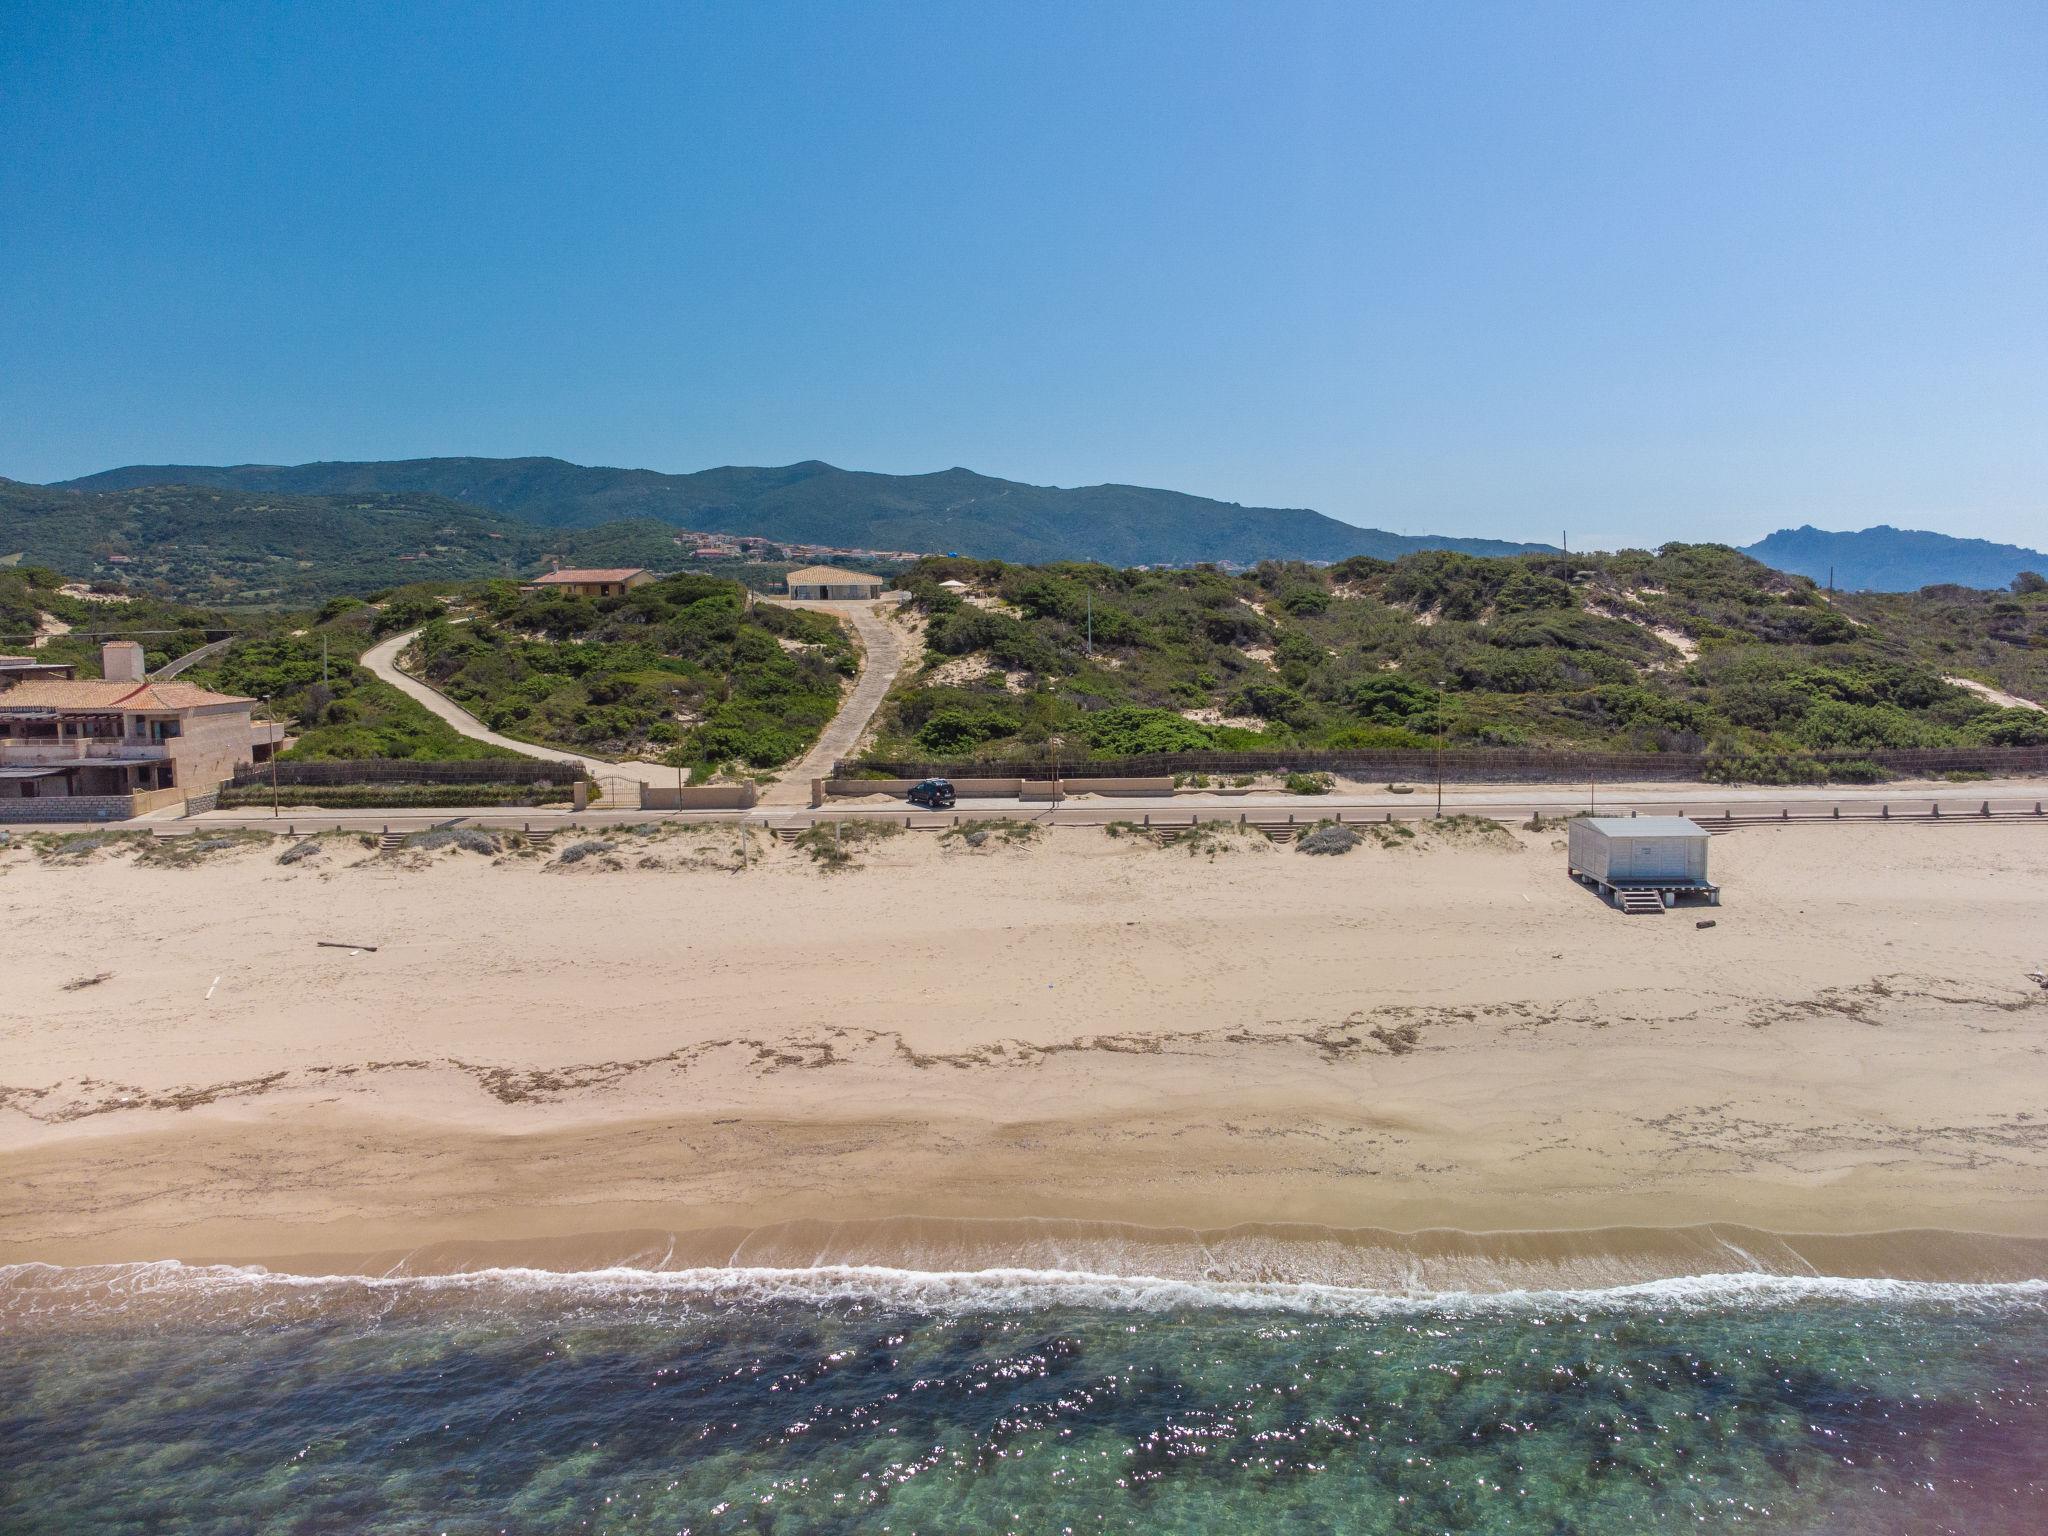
68, 808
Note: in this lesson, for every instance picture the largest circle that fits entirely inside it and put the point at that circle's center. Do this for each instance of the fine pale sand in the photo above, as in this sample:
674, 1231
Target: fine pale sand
1086, 1052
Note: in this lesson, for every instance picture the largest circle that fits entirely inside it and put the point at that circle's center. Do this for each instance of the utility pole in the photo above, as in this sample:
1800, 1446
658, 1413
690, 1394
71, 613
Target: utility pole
272, 721
1567, 536
323, 661
1442, 677
1091, 618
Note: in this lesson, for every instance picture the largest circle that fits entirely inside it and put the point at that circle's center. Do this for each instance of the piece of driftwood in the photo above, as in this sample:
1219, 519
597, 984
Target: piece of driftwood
330, 944
87, 981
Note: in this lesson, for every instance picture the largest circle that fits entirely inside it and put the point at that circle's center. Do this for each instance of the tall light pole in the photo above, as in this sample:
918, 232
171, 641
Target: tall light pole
1442, 685
272, 734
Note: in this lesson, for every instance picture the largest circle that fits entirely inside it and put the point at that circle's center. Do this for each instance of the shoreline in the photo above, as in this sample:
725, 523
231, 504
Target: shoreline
349, 1194
1001, 1261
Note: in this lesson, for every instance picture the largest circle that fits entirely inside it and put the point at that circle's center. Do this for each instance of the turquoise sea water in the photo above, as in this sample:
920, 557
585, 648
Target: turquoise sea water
162, 1399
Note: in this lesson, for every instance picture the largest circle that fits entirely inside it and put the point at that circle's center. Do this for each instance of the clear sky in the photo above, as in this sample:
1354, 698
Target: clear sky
1644, 270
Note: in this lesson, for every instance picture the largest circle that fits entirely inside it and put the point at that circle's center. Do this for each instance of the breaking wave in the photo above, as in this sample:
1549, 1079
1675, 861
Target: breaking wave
29, 1291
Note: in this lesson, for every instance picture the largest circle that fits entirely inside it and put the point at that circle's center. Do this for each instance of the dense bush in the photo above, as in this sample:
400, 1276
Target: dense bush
1680, 650
1133, 732
1328, 837
682, 665
468, 839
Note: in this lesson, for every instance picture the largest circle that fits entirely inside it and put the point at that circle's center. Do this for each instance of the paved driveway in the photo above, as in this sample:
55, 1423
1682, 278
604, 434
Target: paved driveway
884, 650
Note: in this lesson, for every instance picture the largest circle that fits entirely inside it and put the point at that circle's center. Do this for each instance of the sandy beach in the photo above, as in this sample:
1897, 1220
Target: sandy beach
1084, 1050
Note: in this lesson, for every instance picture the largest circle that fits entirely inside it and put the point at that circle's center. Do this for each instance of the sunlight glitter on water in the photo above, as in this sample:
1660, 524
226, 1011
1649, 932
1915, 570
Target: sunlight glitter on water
787, 1401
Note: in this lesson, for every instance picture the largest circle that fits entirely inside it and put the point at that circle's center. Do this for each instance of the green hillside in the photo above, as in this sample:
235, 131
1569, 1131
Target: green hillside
39, 618
814, 503
681, 668
199, 544
1691, 649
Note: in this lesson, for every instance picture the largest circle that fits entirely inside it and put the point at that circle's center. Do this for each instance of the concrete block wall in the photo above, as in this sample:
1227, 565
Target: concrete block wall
964, 788
68, 808
1156, 786
698, 797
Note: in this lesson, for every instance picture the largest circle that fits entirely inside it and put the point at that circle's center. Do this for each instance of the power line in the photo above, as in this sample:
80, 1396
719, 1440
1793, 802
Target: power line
121, 634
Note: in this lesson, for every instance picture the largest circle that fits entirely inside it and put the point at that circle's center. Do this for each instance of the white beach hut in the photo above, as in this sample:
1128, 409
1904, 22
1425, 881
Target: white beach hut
1641, 863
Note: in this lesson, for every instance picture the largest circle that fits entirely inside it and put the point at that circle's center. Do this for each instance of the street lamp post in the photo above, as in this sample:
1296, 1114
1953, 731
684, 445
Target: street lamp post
1440, 684
271, 722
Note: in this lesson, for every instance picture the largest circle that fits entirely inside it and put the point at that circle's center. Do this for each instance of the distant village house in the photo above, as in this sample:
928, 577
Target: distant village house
823, 582
604, 583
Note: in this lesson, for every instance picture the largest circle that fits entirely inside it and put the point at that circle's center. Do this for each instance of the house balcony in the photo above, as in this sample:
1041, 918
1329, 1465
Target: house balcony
82, 749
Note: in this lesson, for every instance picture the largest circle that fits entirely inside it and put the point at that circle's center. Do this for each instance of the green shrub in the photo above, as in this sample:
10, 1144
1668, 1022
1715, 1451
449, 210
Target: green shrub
1310, 783
468, 839
833, 844
1763, 768
408, 610
1328, 837
1132, 731
977, 833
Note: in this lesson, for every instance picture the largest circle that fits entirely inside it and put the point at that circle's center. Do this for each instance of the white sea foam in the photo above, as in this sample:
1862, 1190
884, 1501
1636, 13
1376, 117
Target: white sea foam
47, 1290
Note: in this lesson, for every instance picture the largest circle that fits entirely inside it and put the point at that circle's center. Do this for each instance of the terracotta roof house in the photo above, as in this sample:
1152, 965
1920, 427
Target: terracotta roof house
609, 582
95, 749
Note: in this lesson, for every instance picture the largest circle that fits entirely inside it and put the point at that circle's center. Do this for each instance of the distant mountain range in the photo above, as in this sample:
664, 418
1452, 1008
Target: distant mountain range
295, 528
1885, 559
952, 511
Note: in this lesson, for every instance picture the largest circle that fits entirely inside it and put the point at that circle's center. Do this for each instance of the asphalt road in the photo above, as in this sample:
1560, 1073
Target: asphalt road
2012, 798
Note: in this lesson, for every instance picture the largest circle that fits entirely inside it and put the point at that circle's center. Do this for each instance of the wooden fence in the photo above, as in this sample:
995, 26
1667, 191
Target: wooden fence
477, 770
1469, 765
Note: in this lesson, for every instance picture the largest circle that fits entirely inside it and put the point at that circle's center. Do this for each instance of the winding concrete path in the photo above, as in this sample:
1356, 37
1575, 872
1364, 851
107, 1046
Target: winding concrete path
884, 649
382, 659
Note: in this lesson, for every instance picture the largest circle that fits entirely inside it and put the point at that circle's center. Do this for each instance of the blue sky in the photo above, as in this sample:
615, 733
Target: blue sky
1643, 270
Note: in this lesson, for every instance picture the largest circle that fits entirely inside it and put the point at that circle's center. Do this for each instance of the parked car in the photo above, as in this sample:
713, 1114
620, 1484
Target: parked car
932, 794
